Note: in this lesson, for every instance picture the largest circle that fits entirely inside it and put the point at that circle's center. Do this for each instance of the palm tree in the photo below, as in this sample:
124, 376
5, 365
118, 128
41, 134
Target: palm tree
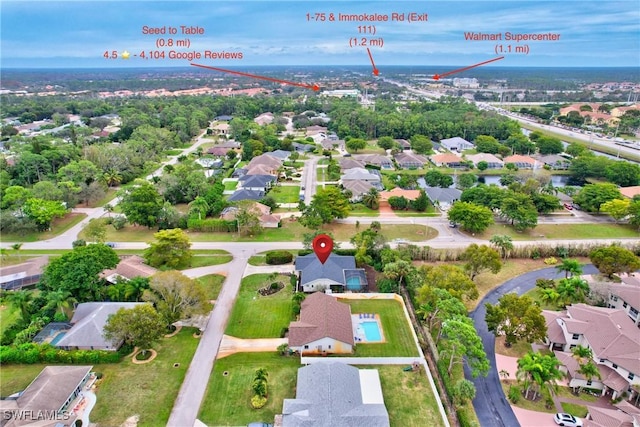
16, 247
589, 370
22, 300
60, 299
108, 208
572, 290
112, 178
571, 267
535, 368
371, 199
504, 374
199, 206
502, 242
549, 295
398, 270
134, 288
582, 354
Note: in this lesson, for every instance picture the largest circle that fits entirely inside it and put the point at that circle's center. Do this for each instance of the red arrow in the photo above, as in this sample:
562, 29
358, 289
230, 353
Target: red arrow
314, 87
439, 76
375, 70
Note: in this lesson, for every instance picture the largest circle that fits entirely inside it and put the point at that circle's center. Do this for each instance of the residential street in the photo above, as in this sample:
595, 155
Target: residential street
491, 410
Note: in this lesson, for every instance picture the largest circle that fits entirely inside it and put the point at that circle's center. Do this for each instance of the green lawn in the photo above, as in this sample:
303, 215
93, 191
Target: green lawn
206, 260
230, 185
574, 409
212, 284
289, 232
148, 390
358, 209
261, 258
321, 174
15, 378
564, 231
256, 316
58, 226
227, 400
408, 397
8, 315
285, 193
395, 328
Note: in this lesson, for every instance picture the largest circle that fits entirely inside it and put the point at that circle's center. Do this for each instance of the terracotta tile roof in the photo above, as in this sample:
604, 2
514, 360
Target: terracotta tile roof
446, 158
130, 267
554, 331
321, 316
608, 417
612, 379
517, 158
630, 191
399, 192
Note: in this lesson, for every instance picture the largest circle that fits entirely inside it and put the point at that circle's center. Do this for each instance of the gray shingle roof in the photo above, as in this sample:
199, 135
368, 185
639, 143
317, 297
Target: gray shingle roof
312, 269
442, 195
329, 394
253, 181
88, 324
246, 195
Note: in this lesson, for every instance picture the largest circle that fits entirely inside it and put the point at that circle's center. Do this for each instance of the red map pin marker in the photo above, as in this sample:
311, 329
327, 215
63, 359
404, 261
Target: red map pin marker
322, 245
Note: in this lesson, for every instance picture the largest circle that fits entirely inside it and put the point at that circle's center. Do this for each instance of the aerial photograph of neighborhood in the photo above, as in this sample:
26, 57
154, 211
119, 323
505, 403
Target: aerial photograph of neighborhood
338, 213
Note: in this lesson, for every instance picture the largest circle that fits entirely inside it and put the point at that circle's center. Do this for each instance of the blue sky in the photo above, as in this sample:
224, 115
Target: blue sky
77, 33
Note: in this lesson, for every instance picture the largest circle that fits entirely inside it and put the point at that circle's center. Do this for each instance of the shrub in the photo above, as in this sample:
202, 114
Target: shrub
78, 243
550, 261
514, 394
119, 222
30, 353
258, 402
278, 257
212, 225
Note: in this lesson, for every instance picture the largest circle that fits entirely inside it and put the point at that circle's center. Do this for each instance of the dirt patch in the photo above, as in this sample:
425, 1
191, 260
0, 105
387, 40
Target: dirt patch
135, 361
174, 333
132, 421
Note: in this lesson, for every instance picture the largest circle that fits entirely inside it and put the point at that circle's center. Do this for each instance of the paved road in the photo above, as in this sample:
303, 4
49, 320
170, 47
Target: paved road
491, 406
187, 404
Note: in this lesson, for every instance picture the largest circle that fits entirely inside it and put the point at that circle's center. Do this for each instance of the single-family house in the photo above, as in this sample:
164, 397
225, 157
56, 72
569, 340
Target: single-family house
555, 162
338, 273
403, 144
626, 296
521, 162
332, 144
87, 326
377, 160
456, 144
410, 160
47, 401
261, 170
303, 148
315, 129
264, 119
222, 129
612, 337
256, 182
441, 197
130, 266
324, 326
492, 161
243, 194
357, 189
24, 274
230, 144
448, 160
271, 162
218, 151
209, 163
624, 415
347, 163
630, 192
266, 218
337, 395
362, 174
282, 155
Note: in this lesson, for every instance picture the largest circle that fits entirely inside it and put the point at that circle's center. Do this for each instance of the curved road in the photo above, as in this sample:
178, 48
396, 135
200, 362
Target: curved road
490, 404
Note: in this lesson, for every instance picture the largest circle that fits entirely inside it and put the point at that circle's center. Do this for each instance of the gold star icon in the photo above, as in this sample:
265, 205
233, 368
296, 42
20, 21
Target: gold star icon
125, 55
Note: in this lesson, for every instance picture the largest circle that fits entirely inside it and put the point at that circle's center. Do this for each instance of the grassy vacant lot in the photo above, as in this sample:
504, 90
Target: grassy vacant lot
285, 193
291, 231
8, 315
212, 284
58, 226
564, 231
396, 329
227, 401
126, 389
408, 397
148, 390
256, 316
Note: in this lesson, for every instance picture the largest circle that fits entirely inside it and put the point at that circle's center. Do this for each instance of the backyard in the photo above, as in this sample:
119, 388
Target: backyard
257, 316
395, 328
285, 193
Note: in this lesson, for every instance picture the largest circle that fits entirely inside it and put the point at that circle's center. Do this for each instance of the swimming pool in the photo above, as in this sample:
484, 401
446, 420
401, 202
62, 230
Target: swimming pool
371, 331
353, 283
57, 338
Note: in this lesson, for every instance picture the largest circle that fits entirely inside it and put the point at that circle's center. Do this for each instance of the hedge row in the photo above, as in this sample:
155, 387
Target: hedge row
278, 257
349, 252
212, 225
31, 353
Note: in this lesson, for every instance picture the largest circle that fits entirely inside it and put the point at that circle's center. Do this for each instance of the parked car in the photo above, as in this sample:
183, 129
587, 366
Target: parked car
111, 244
259, 424
568, 206
568, 420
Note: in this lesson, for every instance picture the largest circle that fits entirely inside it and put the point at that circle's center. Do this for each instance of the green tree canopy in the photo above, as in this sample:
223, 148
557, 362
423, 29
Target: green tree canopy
472, 217
448, 277
593, 196
142, 205
614, 259
517, 318
480, 258
327, 204
172, 249
175, 296
140, 326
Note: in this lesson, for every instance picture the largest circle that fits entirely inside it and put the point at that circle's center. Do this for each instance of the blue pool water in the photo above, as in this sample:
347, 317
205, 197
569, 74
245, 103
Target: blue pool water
371, 331
353, 283
57, 338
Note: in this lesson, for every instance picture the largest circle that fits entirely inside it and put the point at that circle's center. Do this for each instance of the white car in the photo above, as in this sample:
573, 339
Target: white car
568, 420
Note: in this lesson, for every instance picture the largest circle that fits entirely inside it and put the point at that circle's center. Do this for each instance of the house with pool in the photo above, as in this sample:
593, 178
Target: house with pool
338, 273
